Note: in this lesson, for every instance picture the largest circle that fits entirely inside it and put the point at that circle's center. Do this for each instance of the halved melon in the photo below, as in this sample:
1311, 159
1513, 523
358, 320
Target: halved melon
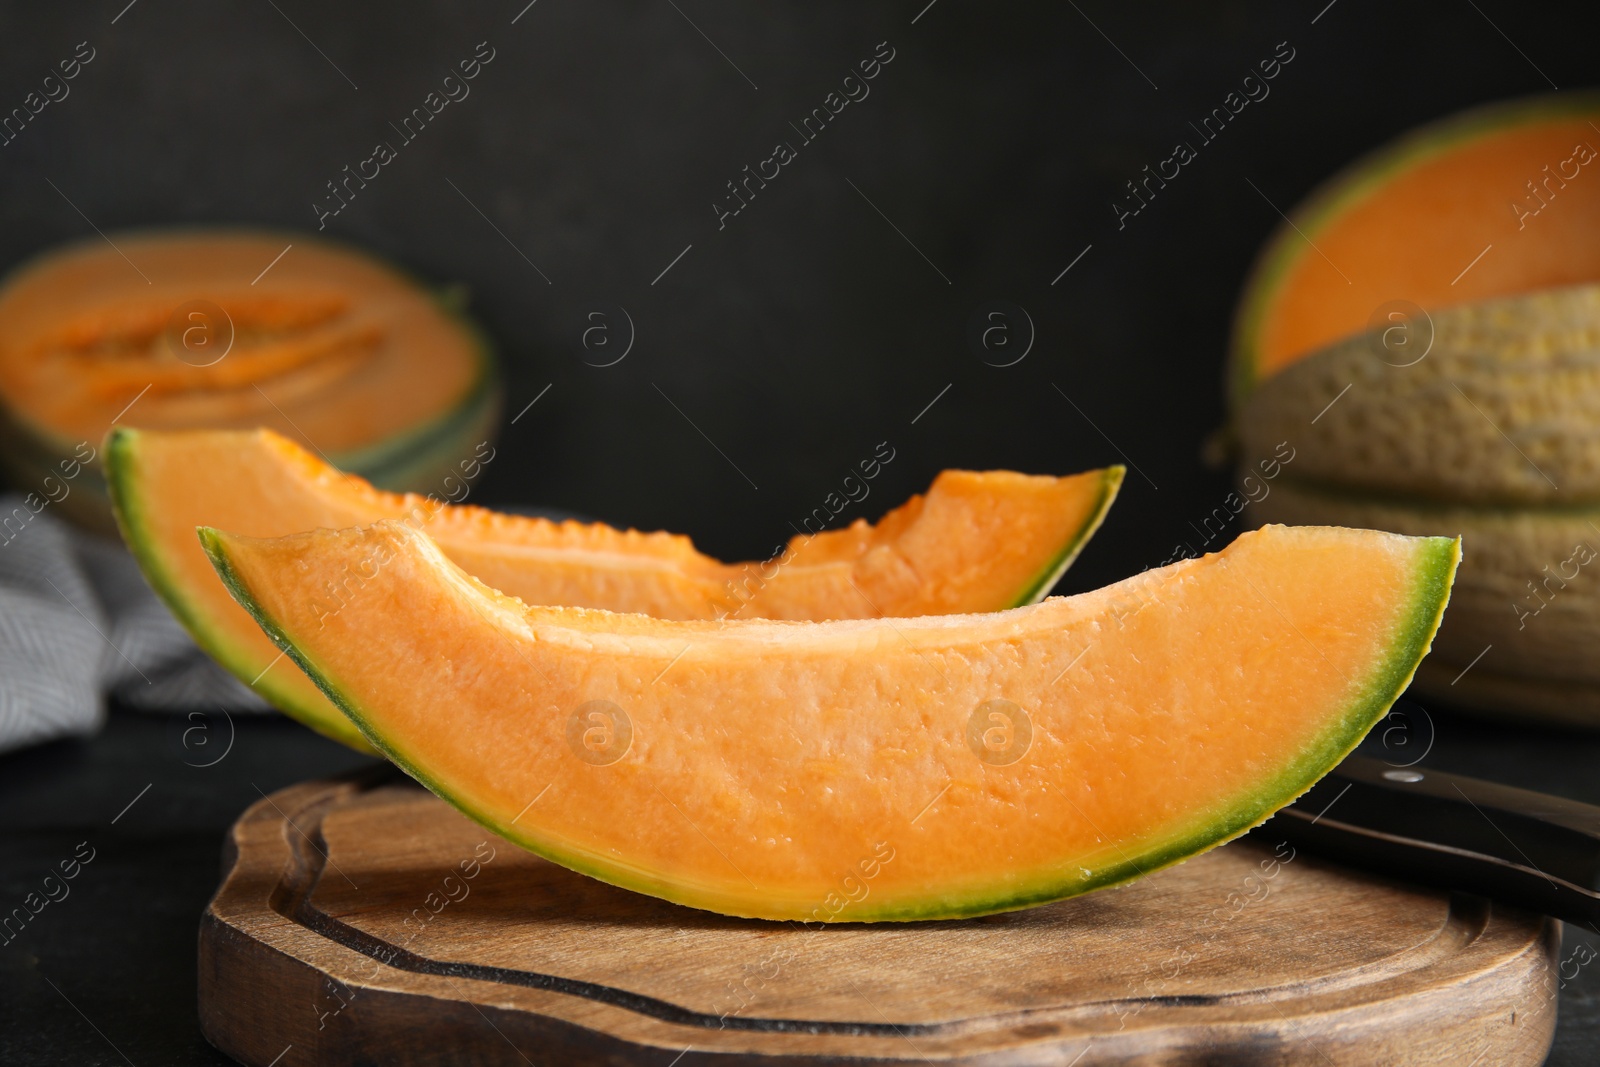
236, 328
875, 769
1493, 202
976, 542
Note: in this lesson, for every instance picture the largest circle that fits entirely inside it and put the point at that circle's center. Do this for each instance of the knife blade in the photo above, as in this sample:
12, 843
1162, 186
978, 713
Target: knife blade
1528, 849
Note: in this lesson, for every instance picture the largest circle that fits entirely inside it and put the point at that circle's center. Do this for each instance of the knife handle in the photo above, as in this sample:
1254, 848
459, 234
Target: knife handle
1537, 852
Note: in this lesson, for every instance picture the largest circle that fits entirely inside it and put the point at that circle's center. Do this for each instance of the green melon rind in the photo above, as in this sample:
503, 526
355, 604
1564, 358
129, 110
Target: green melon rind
121, 451
1436, 561
1354, 183
1040, 585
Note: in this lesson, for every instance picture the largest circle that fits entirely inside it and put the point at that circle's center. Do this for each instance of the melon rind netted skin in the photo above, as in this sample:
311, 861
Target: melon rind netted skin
1504, 408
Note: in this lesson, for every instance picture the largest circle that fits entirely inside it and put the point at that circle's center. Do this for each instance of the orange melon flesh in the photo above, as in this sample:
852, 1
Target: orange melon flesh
1408, 222
329, 343
855, 770
975, 542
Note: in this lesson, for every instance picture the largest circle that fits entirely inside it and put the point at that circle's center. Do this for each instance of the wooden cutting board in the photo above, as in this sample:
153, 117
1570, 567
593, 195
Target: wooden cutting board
364, 921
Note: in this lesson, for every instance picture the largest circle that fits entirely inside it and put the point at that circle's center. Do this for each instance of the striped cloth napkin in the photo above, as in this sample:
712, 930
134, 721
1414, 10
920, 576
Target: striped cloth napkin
79, 627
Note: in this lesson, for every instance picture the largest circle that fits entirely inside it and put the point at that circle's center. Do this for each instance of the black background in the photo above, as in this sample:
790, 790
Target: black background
796, 339
808, 330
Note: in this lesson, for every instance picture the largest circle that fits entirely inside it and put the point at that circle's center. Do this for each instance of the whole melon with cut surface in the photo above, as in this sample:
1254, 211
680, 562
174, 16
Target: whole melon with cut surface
1493, 202
977, 541
873, 769
186, 328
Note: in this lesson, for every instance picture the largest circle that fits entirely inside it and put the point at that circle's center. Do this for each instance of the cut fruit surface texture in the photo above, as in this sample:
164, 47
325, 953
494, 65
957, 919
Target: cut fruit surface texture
977, 541
864, 770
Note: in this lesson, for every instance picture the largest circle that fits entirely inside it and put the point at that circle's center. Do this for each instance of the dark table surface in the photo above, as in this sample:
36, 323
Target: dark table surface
107, 974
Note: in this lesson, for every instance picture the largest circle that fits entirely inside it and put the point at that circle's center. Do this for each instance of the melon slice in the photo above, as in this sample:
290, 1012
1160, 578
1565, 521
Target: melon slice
1493, 202
975, 542
236, 328
867, 770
